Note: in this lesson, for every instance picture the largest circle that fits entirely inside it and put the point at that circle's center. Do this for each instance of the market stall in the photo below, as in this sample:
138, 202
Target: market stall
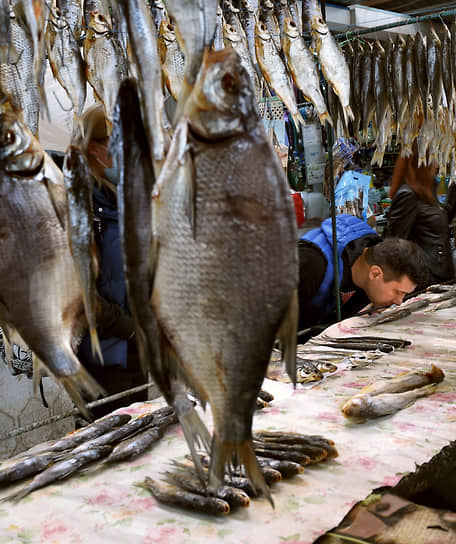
105, 506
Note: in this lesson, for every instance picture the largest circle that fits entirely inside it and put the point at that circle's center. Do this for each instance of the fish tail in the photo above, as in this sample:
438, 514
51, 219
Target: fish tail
348, 114
377, 157
95, 343
436, 374
18, 495
80, 382
224, 454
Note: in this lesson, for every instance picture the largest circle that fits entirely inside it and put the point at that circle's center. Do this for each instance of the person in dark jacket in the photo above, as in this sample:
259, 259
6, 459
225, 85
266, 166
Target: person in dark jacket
417, 215
120, 369
370, 270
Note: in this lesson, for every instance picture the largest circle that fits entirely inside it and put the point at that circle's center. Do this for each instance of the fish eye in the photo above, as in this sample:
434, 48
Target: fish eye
8, 138
229, 83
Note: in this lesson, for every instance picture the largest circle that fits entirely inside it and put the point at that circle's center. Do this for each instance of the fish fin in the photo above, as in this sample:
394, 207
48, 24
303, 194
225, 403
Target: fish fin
196, 434
298, 119
58, 203
82, 381
224, 454
287, 336
348, 115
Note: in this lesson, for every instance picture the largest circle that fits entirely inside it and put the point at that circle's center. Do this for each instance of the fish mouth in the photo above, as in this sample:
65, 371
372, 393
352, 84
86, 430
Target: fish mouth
26, 165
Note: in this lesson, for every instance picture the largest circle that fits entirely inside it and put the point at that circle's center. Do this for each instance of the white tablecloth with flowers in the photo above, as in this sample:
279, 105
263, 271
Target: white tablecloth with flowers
106, 507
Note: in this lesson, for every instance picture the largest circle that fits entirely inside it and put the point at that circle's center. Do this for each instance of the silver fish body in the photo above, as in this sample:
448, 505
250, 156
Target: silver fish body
17, 76
333, 63
105, 59
274, 71
66, 60
248, 20
40, 293
230, 236
266, 16
71, 11
421, 70
362, 407
303, 68
171, 58
404, 382
158, 13
434, 66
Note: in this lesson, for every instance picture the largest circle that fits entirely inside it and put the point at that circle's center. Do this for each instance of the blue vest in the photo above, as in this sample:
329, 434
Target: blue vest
348, 228
110, 282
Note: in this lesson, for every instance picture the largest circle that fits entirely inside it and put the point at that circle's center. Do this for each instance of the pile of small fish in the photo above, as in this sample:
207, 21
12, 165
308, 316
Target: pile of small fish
111, 439
404, 87
388, 395
308, 371
281, 455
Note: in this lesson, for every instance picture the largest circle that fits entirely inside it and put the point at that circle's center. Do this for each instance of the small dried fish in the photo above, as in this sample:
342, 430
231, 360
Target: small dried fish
315, 453
265, 395
398, 313
175, 496
404, 382
279, 454
362, 407
22, 468
61, 470
234, 497
287, 469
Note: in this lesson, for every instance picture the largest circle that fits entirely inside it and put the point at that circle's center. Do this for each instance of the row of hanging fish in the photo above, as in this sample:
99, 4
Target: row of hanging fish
95, 45
198, 216
404, 87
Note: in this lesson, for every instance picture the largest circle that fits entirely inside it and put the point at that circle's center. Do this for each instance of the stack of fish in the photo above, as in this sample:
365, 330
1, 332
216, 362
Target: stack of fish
387, 396
281, 455
404, 87
111, 439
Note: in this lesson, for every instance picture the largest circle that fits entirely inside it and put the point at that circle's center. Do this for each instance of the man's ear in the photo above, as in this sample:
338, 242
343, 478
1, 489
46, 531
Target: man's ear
375, 272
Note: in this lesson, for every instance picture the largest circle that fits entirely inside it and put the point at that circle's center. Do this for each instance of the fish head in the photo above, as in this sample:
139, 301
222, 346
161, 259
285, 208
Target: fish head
222, 102
261, 32
56, 19
15, 138
290, 28
356, 407
318, 25
167, 31
98, 22
231, 34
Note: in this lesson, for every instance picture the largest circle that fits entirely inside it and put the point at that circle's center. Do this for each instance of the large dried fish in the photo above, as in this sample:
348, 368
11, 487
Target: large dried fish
39, 293
434, 67
223, 145
421, 70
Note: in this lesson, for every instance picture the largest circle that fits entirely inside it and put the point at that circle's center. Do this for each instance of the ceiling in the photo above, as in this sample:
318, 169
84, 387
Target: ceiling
411, 7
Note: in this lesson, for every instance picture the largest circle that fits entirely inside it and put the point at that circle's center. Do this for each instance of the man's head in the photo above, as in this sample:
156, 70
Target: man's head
393, 268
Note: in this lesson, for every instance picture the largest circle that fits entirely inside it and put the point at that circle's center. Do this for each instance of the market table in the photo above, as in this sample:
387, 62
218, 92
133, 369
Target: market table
104, 506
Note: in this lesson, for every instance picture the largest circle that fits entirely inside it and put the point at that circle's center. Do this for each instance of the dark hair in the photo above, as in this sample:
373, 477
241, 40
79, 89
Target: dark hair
398, 257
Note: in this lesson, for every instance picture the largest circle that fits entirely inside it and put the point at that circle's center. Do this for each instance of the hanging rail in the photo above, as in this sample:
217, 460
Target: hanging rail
350, 35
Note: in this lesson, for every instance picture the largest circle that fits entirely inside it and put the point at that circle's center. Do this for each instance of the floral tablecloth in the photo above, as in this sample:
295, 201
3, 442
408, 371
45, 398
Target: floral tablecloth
105, 506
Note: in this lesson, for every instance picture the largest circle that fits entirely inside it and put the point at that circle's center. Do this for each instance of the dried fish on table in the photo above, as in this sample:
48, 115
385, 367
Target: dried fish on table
19, 469
95, 429
40, 293
61, 470
287, 469
395, 342
175, 496
274, 71
189, 482
362, 407
265, 395
398, 313
306, 372
171, 58
226, 132
133, 447
315, 453
65, 60
404, 382
303, 69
